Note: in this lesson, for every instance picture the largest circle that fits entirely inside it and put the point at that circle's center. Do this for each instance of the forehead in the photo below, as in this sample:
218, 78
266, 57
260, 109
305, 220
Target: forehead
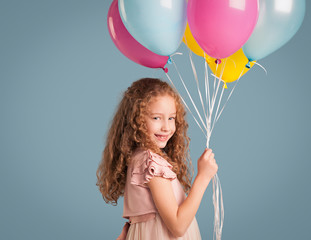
164, 103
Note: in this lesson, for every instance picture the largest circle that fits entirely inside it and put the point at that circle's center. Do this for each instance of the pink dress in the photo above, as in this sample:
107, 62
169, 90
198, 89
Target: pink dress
145, 222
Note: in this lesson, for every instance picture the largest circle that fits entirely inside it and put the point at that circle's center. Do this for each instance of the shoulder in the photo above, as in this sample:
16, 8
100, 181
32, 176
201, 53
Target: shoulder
146, 164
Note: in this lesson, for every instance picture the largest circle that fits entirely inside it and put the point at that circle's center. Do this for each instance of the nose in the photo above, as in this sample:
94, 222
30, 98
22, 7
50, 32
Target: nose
165, 126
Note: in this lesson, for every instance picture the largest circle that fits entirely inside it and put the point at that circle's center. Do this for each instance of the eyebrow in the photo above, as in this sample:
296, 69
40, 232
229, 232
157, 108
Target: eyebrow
162, 113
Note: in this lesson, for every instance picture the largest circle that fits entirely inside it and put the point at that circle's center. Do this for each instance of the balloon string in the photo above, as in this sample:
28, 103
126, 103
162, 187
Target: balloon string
197, 81
176, 53
233, 62
219, 212
189, 95
261, 67
210, 110
207, 91
208, 100
215, 93
215, 97
220, 98
222, 216
184, 102
229, 97
215, 81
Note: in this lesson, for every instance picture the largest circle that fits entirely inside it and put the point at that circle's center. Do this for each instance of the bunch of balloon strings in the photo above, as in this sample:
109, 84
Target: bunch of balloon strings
210, 104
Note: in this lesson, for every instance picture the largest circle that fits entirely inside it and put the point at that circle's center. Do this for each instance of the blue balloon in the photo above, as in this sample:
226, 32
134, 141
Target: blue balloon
158, 25
278, 22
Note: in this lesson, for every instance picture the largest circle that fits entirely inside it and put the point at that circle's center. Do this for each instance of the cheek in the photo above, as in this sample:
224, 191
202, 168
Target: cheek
173, 127
150, 126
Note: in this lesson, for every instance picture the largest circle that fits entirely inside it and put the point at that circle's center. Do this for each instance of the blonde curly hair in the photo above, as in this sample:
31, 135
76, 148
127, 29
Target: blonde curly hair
128, 131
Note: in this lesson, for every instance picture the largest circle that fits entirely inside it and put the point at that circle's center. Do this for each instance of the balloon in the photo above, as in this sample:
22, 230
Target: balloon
128, 45
221, 27
159, 25
278, 22
232, 67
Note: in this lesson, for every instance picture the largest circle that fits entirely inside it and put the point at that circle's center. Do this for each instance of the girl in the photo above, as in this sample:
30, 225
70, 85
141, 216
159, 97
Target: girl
146, 161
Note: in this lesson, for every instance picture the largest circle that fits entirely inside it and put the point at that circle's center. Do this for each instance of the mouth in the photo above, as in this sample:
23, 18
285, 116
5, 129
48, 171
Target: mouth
162, 138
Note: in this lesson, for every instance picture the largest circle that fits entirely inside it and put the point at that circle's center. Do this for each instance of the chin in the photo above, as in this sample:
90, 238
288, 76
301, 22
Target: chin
161, 144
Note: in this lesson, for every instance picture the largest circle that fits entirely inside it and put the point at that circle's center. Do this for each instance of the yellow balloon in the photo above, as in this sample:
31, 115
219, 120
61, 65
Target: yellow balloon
231, 68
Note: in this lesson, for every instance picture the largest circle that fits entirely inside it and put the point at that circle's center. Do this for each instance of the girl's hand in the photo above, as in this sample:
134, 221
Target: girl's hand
207, 166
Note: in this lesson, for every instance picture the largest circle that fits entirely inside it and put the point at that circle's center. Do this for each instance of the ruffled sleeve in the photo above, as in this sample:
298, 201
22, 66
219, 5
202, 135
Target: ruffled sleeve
149, 165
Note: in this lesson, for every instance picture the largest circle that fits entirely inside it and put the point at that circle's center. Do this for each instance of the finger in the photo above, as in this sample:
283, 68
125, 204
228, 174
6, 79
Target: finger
209, 149
206, 153
209, 155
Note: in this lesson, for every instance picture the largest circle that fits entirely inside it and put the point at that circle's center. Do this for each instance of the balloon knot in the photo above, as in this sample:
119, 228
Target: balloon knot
165, 70
248, 65
218, 61
169, 61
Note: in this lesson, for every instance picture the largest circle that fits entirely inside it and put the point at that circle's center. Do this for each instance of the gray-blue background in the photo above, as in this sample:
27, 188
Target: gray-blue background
60, 80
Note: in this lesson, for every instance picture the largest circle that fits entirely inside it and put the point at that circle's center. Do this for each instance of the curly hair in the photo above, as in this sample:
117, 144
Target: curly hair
128, 131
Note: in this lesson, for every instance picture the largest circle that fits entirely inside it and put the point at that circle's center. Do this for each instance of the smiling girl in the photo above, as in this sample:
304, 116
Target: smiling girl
146, 161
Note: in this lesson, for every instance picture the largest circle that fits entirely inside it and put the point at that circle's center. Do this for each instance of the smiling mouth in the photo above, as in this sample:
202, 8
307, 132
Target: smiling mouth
162, 137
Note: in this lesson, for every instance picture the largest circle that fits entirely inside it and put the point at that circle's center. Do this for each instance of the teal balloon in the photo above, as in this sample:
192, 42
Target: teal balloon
158, 25
278, 22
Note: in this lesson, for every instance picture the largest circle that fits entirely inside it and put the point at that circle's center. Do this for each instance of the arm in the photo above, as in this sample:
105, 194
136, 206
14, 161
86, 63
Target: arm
178, 218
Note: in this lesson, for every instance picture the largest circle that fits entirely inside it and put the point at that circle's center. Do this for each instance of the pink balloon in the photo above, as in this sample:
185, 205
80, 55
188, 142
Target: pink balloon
128, 45
221, 27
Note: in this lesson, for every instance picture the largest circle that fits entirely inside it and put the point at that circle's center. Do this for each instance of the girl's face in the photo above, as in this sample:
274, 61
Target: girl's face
160, 119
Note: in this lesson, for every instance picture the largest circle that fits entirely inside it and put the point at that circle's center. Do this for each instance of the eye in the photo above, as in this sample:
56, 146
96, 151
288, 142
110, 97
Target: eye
171, 118
156, 118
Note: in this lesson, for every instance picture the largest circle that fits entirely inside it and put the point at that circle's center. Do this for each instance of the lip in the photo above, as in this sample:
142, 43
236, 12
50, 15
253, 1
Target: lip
162, 137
